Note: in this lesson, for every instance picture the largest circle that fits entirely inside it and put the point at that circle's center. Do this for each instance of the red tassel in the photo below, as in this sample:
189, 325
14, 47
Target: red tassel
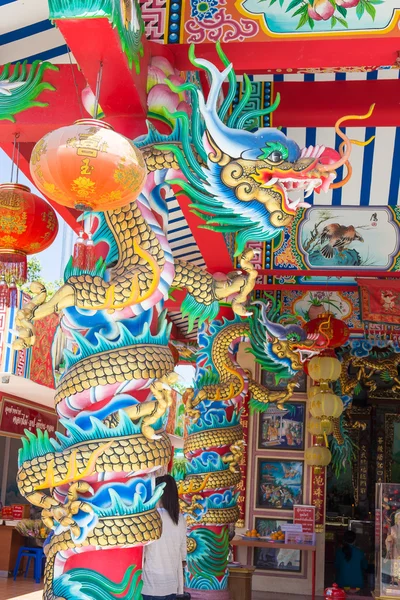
78, 259
90, 257
13, 264
12, 294
4, 295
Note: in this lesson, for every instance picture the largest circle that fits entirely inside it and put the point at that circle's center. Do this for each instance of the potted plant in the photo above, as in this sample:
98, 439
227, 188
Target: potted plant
318, 303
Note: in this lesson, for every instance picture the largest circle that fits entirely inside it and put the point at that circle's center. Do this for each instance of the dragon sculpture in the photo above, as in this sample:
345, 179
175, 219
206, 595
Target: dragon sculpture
365, 365
214, 443
95, 483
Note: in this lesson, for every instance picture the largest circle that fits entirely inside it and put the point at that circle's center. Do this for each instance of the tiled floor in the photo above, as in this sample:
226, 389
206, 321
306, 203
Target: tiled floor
28, 590
22, 589
25, 589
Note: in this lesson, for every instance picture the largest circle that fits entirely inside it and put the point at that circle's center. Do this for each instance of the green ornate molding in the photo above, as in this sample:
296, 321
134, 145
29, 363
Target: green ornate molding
20, 89
124, 15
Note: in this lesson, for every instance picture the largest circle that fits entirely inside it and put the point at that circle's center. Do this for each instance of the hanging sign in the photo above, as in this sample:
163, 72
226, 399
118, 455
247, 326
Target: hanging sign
16, 416
241, 488
304, 516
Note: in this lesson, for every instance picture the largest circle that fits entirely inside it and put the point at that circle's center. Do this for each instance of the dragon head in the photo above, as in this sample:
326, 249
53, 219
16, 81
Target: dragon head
244, 180
278, 344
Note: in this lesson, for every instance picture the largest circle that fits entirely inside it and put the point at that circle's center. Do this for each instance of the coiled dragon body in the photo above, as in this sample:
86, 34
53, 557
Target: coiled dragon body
95, 483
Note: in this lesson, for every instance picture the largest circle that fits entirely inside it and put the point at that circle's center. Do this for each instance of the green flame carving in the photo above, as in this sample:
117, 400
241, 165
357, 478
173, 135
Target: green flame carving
18, 91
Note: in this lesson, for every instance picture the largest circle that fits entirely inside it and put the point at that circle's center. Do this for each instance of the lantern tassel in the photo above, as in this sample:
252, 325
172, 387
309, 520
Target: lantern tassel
90, 255
12, 294
14, 265
78, 260
4, 292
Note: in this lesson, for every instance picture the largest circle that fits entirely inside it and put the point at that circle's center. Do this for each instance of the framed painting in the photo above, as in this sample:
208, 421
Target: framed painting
279, 483
268, 381
275, 559
282, 429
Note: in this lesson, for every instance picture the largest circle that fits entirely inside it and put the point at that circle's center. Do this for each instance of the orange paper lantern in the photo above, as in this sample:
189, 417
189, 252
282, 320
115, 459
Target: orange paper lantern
28, 225
88, 166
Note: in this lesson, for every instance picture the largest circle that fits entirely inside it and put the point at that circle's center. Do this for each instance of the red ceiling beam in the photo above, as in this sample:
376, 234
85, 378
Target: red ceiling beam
318, 104
278, 287
64, 107
210, 243
328, 273
123, 89
273, 54
322, 103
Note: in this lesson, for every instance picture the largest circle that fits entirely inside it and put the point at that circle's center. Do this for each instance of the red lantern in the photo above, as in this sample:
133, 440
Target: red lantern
333, 333
88, 166
28, 225
335, 593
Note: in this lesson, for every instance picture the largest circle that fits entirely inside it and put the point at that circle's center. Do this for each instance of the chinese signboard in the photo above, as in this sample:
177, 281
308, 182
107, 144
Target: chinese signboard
318, 497
241, 488
304, 516
16, 416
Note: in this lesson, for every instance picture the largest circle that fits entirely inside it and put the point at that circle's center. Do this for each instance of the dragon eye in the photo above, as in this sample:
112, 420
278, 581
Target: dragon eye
275, 156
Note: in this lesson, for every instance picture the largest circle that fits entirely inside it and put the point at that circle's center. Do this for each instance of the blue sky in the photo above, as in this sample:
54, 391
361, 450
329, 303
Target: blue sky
54, 259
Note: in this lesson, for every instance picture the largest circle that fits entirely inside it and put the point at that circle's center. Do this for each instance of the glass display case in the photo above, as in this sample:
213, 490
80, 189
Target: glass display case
387, 541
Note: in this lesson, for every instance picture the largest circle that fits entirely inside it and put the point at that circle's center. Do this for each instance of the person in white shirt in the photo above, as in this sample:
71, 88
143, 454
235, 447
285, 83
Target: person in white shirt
164, 559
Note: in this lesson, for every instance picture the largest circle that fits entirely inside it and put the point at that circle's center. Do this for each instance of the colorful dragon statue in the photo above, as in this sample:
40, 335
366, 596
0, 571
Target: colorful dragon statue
214, 444
114, 393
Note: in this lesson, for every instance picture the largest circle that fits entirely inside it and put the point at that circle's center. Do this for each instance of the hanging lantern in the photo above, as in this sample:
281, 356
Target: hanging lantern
312, 390
317, 426
324, 368
333, 332
28, 225
318, 455
88, 166
326, 405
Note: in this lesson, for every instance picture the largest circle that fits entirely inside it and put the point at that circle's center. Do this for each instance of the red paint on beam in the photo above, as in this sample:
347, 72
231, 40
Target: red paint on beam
64, 107
322, 103
275, 287
210, 243
328, 273
123, 90
281, 54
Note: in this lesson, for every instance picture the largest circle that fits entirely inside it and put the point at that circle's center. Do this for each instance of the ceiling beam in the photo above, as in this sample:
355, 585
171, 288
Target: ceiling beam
279, 55
322, 103
211, 244
318, 104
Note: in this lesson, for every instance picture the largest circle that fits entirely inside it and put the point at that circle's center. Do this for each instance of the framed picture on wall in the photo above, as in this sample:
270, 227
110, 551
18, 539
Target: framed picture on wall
282, 429
268, 381
275, 559
279, 483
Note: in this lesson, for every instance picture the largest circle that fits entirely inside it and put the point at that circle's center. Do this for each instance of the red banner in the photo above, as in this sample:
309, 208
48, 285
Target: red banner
318, 497
241, 488
380, 301
304, 516
15, 416
41, 363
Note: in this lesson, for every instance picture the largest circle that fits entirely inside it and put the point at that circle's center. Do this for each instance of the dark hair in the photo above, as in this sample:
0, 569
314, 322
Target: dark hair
348, 539
170, 499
